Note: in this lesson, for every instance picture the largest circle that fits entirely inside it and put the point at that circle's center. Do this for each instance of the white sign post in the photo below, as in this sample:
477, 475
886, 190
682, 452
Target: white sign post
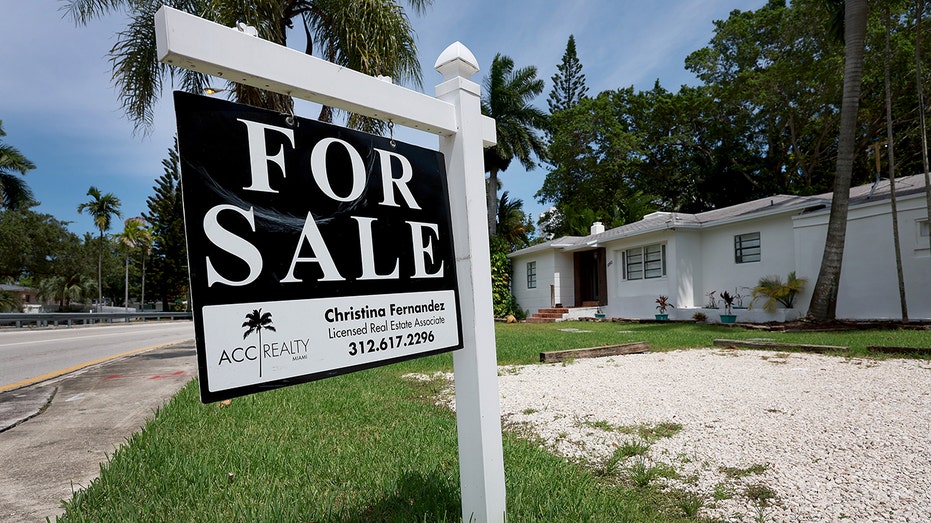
190, 42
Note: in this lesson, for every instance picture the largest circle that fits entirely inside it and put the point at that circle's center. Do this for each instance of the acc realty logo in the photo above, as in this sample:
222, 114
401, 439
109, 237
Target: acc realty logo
256, 322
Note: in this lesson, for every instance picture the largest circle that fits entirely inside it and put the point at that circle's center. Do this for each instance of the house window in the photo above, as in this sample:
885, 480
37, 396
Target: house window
645, 262
532, 275
923, 230
747, 247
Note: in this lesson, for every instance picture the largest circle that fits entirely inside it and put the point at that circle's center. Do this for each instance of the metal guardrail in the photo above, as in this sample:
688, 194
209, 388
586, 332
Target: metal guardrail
44, 319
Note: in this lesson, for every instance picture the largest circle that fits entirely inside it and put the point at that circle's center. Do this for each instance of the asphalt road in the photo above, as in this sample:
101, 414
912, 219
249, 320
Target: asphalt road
31, 355
54, 434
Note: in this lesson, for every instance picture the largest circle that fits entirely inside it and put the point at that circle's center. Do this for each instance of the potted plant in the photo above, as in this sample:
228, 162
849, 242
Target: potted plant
599, 314
661, 304
712, 304
728, 299
739, 298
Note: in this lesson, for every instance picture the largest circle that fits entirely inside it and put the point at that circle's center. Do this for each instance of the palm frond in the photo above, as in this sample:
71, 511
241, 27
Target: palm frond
83, 11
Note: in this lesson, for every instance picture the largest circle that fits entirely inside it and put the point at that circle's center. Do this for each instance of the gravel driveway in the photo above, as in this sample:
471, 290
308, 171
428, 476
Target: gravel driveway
832, 439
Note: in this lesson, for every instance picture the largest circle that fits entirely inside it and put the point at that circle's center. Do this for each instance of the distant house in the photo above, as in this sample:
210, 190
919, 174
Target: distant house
685, 256
27, 296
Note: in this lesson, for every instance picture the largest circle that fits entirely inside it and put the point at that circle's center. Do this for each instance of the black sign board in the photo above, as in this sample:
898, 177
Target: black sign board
314, 250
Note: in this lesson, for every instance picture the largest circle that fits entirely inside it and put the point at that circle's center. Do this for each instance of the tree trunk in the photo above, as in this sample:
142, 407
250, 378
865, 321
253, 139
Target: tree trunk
890, 140
142, 297
126, 286
100, 273
492, 200
823, 305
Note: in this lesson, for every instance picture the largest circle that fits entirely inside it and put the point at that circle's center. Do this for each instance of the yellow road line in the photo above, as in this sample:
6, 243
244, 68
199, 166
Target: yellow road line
56, 373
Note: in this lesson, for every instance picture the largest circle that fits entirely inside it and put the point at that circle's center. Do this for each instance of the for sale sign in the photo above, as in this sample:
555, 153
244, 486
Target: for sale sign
313, 250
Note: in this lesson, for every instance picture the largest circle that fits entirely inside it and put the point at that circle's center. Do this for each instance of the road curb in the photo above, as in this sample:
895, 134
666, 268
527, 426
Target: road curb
24, 400
24, 404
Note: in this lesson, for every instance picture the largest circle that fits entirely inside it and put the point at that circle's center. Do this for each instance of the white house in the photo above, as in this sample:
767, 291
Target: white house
685, 256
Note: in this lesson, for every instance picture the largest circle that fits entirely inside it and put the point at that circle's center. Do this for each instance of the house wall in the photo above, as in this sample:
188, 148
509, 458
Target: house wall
721, 272
689, 264
701, 260
554, 268
869, 284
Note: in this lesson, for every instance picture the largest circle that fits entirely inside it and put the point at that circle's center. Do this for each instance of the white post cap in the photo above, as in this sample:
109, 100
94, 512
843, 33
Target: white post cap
456, 60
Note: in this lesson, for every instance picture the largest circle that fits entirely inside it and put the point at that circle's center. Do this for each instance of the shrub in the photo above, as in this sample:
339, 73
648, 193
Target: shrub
775, 291
503, 301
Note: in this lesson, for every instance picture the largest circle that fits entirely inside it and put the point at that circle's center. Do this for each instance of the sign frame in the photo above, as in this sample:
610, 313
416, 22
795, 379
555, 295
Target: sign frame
187, 41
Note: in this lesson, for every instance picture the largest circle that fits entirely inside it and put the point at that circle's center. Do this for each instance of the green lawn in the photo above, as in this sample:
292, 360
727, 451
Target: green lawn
373, 447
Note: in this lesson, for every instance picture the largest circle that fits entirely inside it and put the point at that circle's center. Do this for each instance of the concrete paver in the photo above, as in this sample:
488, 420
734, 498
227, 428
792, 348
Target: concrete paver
54, 435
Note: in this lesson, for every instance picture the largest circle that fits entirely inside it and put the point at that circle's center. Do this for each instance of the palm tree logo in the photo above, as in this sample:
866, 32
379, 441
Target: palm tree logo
256, 321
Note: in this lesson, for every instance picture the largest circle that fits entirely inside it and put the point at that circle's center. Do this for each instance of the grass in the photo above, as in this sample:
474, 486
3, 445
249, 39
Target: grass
760, 494
737, 473
373, 447
632, 448
520, 343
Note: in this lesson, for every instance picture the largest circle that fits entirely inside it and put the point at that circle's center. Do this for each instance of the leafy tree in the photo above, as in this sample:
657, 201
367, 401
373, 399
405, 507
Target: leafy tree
255, 322
14, 193
507, 97
824, 298
595, 156
568, 82
102, 208
775, 72
166, 216
34, 245
372, 36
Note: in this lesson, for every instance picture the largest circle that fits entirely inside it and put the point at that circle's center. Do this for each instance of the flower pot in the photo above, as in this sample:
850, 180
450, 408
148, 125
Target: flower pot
662, 317
599, 315
728, 318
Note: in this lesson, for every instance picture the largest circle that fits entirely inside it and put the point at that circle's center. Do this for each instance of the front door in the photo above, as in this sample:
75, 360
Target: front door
590, 278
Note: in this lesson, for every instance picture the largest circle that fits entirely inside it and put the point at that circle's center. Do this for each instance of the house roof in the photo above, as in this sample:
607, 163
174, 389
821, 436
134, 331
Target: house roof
14, 288
773, 205
873, 192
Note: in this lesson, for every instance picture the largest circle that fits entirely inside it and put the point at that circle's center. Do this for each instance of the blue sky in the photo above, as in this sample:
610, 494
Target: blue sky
60, 108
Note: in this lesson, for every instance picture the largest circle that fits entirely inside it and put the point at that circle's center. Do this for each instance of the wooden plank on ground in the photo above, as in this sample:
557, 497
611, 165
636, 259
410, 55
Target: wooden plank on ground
595, 352
899, 350
776, 346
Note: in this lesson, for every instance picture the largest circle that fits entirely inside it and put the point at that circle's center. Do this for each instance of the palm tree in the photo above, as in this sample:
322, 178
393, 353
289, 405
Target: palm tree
256, 321
919, 15
14, 193
513, 226
507, 96
373, 36
102, 208
65, 289
890, 143
9, 301
824, 297
136, 236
